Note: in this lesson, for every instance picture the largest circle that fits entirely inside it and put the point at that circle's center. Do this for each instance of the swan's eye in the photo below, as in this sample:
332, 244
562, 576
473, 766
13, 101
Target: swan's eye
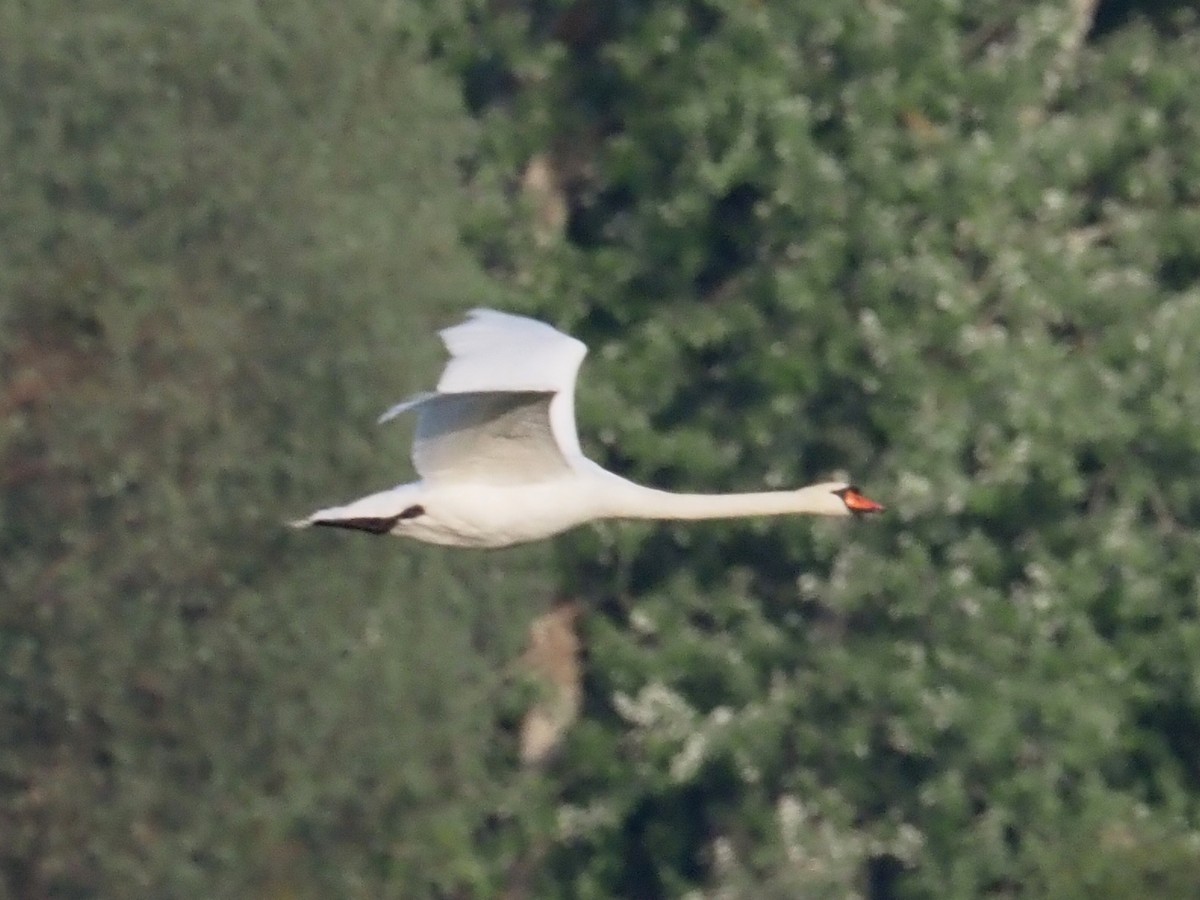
857, 502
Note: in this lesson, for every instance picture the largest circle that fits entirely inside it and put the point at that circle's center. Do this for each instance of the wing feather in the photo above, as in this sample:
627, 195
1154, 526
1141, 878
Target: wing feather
495, 351
504, 409
487, 437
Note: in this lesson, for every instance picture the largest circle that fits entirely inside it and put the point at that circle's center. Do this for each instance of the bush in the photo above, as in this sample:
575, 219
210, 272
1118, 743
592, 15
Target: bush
224, 226
944, 248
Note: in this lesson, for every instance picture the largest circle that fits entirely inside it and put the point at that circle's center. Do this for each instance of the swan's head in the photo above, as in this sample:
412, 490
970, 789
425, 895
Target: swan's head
837, 498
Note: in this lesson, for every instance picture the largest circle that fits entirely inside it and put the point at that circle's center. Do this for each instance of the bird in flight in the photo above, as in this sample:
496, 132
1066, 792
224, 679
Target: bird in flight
499, 459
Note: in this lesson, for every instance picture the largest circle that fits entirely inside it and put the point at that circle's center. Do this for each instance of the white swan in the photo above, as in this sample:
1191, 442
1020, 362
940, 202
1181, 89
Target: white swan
499, 457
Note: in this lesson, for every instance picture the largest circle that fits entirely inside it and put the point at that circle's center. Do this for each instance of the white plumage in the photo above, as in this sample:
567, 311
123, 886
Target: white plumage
499, 457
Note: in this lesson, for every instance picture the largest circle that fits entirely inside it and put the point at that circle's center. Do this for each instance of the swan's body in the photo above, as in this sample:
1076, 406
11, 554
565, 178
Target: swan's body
499, 457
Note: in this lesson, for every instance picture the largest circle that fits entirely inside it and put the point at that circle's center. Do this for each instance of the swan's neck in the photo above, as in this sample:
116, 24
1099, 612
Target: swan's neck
633, 501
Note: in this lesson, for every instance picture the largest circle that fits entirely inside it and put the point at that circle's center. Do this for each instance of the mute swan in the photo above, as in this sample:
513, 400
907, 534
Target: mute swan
499, 457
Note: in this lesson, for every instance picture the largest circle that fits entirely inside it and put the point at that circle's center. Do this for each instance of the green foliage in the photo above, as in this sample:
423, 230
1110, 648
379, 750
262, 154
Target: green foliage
944, 247
948, 248
223, 228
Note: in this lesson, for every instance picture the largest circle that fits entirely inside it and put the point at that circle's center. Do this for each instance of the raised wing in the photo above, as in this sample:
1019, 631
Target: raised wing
495, 351
488, 437
504, 409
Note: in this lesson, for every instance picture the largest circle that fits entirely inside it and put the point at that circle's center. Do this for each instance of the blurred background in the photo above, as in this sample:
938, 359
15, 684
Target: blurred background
948, 249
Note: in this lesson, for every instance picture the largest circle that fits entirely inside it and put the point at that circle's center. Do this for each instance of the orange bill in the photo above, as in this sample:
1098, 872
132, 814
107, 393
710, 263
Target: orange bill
858, 502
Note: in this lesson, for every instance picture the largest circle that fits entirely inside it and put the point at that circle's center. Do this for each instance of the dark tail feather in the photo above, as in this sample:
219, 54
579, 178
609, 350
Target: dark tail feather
371, 524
